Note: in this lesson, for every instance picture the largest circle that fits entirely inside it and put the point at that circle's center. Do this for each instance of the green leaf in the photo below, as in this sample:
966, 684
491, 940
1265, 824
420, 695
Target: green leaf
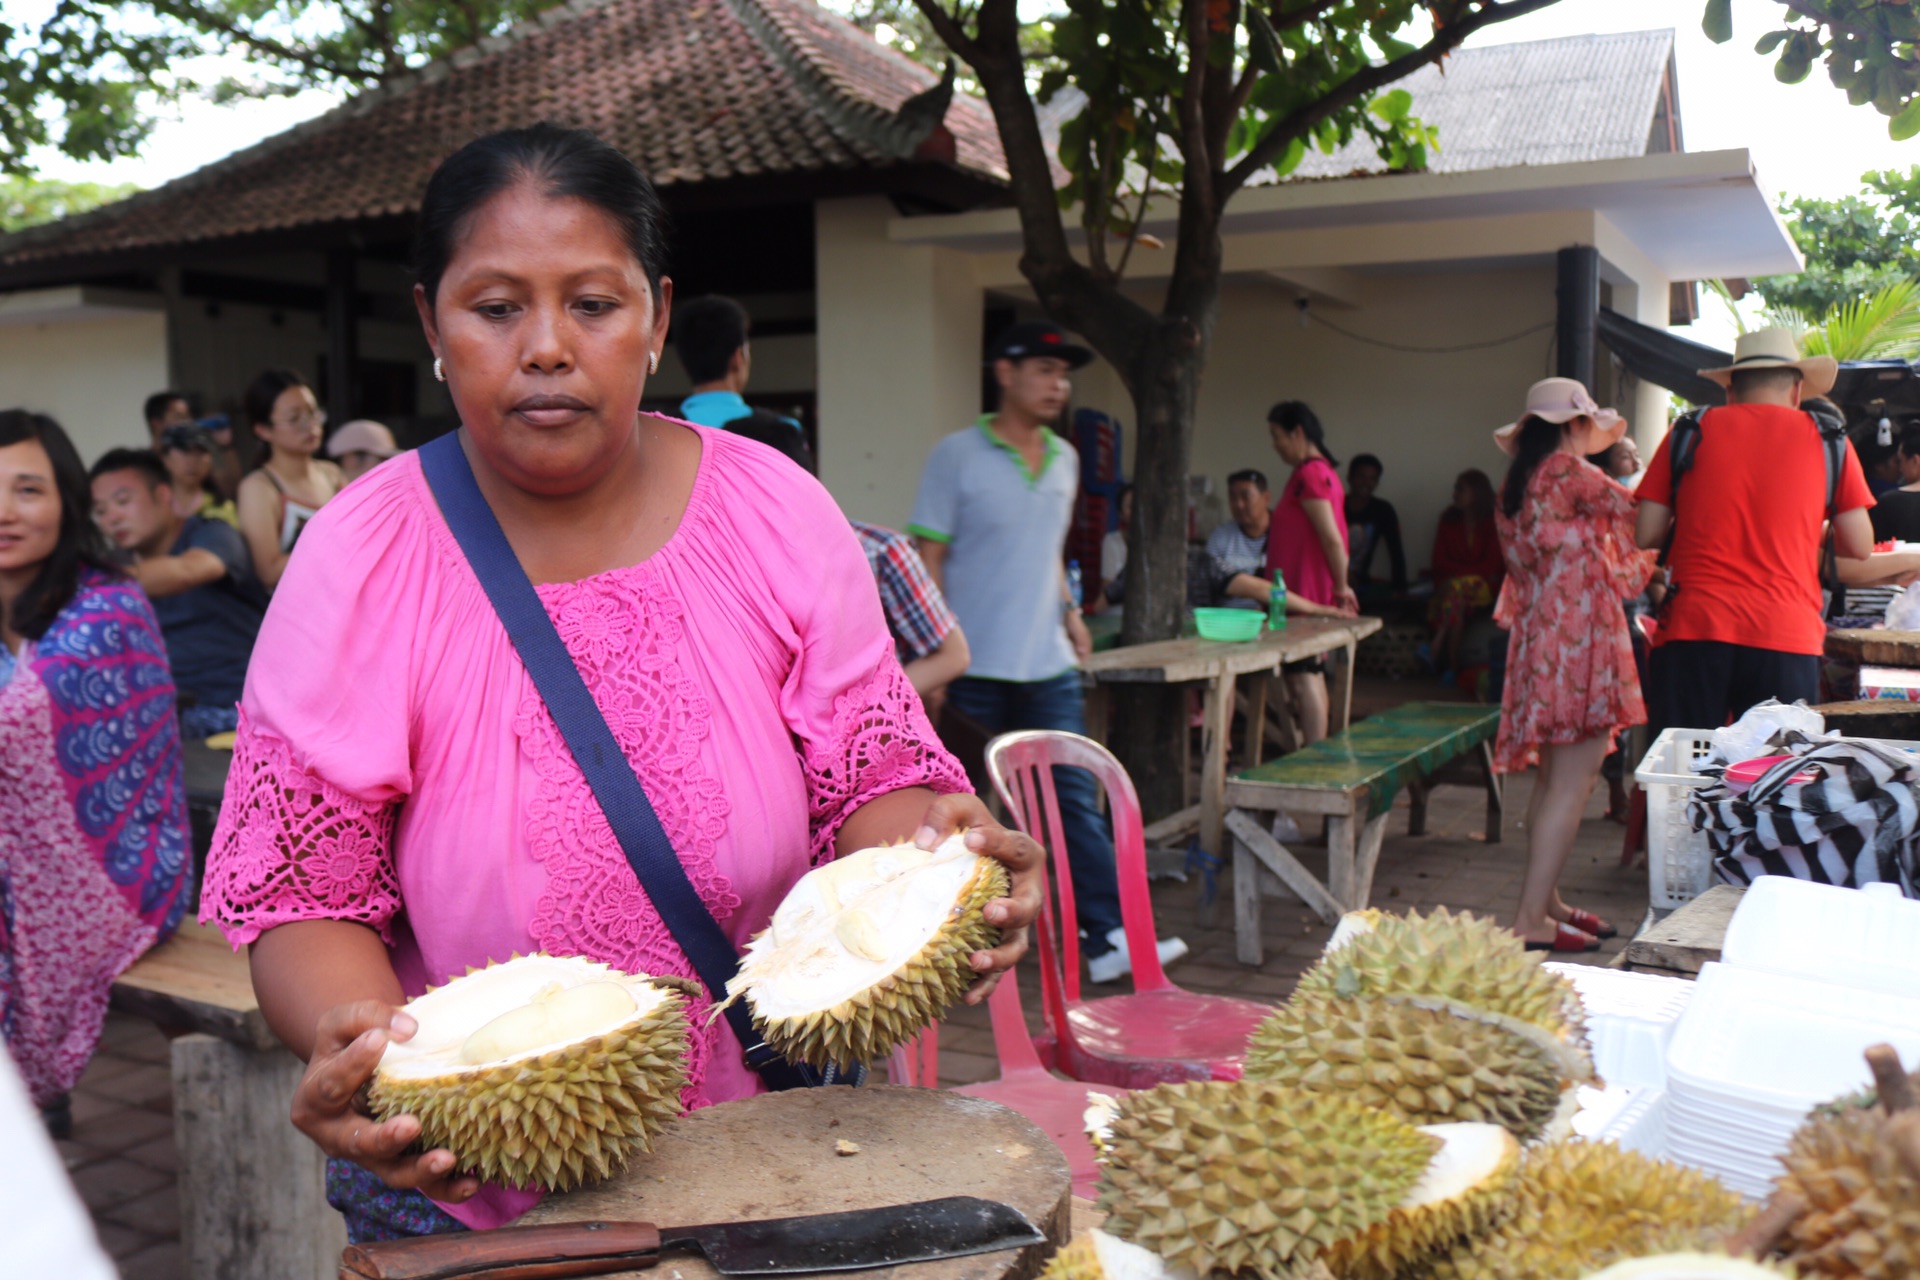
1767, 43
1263, 43
1907, 123
1392, 106
1718, 21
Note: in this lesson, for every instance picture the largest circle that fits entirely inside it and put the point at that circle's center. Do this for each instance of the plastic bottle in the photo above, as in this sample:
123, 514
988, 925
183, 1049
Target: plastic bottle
1075, 586
1277, 605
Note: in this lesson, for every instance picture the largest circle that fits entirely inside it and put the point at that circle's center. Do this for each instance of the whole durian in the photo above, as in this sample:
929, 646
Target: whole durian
1461, 958
1250, 1178
867, 950
1863, 1202
1692, 1266
1579, 1206
1466, 1189
1433, 1062
543, 1071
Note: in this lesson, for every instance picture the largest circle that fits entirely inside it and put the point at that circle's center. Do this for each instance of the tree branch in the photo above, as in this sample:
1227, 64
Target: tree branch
952, 34
1807, 9
1359, 85
195, 16
1306, 14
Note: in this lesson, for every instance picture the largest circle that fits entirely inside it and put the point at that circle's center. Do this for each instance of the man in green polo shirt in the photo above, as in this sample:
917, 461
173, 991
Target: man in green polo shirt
991, 517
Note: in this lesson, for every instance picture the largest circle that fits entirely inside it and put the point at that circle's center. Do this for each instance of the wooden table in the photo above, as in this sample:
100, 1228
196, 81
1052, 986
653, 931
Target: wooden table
1217, 665
1875, 646
252, 1187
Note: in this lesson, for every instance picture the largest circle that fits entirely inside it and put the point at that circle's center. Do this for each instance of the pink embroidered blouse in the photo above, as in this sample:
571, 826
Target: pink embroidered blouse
395, 765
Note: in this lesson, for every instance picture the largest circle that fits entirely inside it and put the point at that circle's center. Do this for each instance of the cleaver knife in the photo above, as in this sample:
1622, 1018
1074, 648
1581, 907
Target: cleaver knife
930, 1229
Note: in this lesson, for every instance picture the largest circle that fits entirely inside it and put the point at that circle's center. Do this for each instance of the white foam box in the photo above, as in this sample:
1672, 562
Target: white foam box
1630, 1019
1867, 938
1897, 684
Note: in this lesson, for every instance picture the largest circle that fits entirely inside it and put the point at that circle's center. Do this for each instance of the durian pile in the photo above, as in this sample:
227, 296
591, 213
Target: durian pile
543, 1071
1377, 1135
868, 949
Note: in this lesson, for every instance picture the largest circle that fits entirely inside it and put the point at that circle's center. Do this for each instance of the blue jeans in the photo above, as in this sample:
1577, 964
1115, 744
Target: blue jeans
1005, 705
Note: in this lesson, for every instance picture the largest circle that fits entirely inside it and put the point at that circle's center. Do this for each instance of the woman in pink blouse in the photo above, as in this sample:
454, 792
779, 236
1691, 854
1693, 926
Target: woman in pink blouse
1307, 545
1567, 533
401, 805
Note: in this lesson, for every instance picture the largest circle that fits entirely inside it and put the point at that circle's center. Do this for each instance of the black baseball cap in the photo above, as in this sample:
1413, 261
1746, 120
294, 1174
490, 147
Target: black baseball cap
1031, 338
186, 435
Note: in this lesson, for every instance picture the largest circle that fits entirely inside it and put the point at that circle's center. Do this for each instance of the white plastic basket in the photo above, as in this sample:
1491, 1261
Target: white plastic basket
1679, 860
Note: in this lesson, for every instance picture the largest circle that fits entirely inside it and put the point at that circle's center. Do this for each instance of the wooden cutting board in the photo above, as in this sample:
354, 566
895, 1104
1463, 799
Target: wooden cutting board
775, 1156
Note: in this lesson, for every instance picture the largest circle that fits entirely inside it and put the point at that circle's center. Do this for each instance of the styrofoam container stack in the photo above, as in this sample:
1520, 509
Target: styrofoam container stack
1630, 1019
1811, 977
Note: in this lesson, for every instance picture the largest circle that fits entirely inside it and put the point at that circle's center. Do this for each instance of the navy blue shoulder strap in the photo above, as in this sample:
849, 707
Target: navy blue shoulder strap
592, 743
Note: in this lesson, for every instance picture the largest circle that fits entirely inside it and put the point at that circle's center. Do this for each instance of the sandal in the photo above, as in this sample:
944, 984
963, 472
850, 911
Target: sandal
1588, 922
1566, 938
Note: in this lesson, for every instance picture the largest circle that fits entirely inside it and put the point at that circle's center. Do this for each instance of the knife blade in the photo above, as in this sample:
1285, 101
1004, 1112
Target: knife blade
953, 1227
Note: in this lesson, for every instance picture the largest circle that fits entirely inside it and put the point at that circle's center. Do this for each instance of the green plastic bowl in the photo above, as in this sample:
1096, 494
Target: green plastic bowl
1229, 624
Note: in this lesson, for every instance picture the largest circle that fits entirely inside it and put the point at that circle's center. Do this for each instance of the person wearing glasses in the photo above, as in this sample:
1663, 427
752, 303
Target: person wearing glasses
288, 483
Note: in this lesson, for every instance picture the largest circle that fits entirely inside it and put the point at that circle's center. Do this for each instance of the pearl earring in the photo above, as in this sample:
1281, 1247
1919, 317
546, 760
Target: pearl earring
439, 370
653, 362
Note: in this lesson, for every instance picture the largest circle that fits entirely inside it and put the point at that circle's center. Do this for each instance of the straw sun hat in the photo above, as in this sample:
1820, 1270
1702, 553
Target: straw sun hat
1562, 400
1777, 349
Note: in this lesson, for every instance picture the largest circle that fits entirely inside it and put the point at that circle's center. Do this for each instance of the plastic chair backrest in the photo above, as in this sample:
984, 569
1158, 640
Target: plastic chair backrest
1021, 765
1011, 1039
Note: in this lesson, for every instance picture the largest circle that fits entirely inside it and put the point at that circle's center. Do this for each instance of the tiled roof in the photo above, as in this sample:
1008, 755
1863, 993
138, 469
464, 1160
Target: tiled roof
1539, 102
696, 91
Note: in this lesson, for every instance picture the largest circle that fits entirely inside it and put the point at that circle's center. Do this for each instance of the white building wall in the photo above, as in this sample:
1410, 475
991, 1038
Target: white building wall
90, 374
898, 349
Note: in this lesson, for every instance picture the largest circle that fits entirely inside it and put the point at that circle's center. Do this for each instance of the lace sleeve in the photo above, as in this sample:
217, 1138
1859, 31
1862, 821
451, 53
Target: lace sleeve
879, 741
291, 846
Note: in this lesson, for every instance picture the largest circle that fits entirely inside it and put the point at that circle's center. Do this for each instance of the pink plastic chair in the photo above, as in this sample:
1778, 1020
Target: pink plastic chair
1160, 1032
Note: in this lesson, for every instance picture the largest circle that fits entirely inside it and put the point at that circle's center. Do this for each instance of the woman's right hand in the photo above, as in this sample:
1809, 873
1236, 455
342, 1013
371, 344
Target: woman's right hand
347, 1046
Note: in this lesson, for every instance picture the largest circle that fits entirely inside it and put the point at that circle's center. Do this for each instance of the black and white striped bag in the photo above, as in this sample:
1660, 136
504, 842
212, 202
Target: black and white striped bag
1855, 821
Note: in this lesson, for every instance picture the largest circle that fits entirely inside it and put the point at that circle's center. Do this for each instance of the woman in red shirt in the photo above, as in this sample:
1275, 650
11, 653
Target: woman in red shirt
1467, 566
1307, 545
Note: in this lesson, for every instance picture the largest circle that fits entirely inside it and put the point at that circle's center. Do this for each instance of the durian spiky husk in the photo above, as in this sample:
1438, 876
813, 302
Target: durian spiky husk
1432, 1065
1863, 1203
1095, 1255
1692, 1266
1465, 1190
1253, 1178
1579, 1206
867, 950
542, 1071
1462, 958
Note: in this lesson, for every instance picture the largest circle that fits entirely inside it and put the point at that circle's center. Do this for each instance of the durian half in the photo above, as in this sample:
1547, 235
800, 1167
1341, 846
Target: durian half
1467, 1187
867, 950
1095, 1255
1692, 1266
543, 1071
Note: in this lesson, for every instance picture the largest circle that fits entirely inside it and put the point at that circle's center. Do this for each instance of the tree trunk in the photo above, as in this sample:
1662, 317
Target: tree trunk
1150, 721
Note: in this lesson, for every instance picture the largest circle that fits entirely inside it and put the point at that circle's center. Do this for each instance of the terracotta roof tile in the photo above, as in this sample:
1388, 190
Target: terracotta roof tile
696, 91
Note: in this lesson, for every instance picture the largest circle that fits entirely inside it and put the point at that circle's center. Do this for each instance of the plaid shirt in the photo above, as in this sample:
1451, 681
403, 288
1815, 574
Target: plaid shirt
917, 613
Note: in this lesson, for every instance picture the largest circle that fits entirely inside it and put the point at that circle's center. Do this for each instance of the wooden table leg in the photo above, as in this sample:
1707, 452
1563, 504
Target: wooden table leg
1366, 858
1282, 701
1246, 905
1097, 713
1340, 708
1340, 864
1496, 796
1417, 791
1256, 720
1216, 727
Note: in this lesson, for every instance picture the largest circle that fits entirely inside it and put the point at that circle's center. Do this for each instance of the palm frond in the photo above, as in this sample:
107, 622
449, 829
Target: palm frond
1883, 325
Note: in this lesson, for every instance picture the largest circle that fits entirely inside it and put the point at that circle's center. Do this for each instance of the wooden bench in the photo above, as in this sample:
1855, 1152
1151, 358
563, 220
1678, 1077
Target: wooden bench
252, 1187
1352, 778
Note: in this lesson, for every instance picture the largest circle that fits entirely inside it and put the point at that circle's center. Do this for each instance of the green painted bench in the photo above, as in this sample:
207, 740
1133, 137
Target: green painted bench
1351, 778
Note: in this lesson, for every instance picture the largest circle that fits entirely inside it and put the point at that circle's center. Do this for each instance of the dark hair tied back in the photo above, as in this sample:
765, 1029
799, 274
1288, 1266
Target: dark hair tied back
1538, 439
1294, 415
81, 544
567, 164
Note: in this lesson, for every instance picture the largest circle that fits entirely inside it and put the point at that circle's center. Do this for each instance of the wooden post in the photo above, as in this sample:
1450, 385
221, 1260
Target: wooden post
253, 1200
1216, 727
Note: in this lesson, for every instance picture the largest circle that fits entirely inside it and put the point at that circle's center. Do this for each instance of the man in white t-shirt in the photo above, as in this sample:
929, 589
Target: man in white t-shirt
1240, 546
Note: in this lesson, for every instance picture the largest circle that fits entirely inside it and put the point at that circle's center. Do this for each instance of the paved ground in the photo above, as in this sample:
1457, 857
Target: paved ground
122, 1153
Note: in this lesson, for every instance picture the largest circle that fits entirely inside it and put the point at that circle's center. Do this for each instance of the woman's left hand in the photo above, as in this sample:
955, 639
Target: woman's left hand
1346, 602
1026, 864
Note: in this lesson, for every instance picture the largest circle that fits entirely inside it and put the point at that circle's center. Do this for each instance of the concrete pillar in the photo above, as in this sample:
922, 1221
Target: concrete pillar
899, 333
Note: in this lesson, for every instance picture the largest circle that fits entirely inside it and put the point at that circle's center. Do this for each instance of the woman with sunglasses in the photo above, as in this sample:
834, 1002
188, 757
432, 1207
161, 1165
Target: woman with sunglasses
289, 483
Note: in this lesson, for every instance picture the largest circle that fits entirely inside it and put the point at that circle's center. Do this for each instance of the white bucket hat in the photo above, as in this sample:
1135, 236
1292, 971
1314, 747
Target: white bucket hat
1777, 348
1562, 400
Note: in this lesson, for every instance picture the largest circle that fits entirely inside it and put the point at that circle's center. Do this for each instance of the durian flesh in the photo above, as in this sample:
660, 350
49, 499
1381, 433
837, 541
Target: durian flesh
1691, 1266
1095, 1255
867, 950
544, 1071
1463, 1192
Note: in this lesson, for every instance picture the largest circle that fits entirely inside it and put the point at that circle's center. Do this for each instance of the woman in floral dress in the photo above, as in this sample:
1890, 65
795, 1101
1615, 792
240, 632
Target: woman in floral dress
94, 841
1566, 531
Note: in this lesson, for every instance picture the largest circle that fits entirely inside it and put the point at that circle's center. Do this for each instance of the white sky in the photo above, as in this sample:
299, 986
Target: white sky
1806, 139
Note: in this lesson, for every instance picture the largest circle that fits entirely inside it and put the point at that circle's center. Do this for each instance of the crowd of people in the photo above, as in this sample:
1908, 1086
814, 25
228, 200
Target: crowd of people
772, 670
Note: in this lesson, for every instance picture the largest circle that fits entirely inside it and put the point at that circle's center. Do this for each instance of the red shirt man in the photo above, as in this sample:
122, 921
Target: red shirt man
1744, 622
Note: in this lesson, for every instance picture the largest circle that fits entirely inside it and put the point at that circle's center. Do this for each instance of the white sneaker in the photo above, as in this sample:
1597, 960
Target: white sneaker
1286, 830
1111, 966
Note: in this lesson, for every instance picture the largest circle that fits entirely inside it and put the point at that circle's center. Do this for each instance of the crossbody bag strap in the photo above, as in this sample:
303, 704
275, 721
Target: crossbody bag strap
624, 801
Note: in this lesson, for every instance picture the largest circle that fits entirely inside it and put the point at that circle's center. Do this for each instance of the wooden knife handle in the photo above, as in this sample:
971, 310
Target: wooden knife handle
549, 1252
